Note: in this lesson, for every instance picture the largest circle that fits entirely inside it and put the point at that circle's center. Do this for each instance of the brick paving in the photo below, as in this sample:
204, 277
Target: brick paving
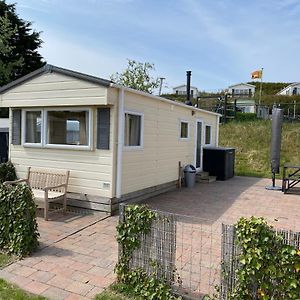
78, 253
76, 258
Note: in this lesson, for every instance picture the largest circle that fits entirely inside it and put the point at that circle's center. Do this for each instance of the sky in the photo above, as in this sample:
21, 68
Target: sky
220, 41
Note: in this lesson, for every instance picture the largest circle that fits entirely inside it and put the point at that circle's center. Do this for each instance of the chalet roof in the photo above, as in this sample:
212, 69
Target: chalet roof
242, 83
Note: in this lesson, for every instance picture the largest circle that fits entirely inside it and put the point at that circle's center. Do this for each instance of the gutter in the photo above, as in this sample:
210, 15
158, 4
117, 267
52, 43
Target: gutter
120, 142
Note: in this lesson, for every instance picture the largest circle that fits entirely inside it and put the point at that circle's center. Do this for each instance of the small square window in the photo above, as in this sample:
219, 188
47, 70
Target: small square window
133, 130
184, 130
207, 135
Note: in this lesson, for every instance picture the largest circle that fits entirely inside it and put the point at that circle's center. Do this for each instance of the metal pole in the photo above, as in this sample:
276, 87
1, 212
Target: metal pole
161, 83
260, 91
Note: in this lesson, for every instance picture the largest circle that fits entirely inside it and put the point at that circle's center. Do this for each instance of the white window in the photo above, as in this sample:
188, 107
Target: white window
133, 136
58, 128
184, 130
32, 127
207, 135
66, 127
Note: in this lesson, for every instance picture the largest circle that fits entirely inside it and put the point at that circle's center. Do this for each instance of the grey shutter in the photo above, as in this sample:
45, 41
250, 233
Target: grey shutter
16, 127
103, 128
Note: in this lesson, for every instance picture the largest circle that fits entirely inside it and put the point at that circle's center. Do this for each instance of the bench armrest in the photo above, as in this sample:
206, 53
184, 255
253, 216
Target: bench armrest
47, 188
15, 181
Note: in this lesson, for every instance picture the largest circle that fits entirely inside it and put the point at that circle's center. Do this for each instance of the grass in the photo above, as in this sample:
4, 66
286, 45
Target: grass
11, 292
4, 259
116, 292
252, 143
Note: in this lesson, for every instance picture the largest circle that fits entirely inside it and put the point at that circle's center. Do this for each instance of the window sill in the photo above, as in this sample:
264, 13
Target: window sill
133, 148
62, 147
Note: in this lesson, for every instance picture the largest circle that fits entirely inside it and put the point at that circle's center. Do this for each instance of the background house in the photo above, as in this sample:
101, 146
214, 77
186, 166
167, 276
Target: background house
181, 90
118, 143
292, 89
242, 90
243, 94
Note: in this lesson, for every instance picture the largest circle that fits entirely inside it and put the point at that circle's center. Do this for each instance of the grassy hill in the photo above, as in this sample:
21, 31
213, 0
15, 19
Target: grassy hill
252, 143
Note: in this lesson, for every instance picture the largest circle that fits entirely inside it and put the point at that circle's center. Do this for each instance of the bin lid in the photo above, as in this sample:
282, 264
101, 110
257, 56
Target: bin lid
189, 169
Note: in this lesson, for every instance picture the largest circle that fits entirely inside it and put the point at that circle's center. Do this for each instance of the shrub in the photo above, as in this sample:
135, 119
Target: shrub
269, 269
18, 226
7, 172
240, 116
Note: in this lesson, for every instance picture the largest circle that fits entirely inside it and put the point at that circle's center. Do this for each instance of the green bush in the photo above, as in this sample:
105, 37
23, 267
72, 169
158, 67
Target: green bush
18, 226
240, 116
268, 267
7, 172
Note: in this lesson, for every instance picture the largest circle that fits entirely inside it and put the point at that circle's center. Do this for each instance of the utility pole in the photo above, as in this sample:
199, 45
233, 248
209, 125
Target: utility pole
160, 85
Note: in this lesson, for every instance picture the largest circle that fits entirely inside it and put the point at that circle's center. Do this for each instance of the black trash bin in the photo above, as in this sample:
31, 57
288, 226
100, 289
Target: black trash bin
189, 175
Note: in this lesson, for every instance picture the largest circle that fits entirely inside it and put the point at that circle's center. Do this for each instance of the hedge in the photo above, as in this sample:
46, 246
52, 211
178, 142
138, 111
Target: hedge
241, 116
18, 226
7, 172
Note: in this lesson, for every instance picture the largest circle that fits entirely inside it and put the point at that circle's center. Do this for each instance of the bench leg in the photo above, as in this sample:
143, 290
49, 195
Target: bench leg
46, 211
65, 203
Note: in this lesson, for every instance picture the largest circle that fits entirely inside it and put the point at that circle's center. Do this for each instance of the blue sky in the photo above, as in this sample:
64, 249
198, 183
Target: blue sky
221, 41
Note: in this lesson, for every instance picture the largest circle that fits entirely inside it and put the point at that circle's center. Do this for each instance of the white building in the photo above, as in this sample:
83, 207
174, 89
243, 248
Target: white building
181, 90
292, 89
242, 89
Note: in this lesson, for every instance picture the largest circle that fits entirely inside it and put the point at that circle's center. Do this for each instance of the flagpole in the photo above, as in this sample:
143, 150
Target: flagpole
260, 91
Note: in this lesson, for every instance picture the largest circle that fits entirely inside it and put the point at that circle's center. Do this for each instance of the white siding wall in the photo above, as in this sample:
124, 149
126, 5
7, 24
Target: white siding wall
157, 162
4, 123
89, 170
242, 87
54, 89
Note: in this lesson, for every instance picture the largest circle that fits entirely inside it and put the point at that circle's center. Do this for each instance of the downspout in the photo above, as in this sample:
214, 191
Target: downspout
217, 131
120, 143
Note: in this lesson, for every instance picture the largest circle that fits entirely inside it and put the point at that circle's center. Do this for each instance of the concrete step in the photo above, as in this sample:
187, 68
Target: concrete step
202, 174
208, 179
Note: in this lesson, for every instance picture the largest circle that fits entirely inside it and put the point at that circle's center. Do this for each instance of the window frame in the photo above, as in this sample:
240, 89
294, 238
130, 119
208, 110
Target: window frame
210, 136
63, 146
44, 129
24, 129
188, 130
141, 146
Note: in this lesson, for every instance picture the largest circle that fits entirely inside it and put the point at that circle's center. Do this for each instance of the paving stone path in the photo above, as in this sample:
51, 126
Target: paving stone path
72, 263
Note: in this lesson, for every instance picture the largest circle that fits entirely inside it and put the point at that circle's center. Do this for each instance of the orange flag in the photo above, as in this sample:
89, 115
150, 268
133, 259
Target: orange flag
256, 74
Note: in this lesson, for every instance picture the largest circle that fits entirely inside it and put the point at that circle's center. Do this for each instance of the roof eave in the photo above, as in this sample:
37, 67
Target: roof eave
49, 69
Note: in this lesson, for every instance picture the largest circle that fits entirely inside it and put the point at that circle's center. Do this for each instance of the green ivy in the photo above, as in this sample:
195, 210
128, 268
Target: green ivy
137, 221
18, 226
269, 269
7, 172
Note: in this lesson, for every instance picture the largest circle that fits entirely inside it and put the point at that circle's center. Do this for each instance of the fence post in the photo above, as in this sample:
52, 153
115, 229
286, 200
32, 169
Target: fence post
294, 109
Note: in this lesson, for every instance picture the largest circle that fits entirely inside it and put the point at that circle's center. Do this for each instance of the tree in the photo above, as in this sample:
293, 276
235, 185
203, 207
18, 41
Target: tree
137, 76
19, 45
7, 67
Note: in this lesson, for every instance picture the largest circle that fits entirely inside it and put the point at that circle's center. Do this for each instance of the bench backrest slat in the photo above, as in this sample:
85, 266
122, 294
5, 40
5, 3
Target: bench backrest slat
39, 179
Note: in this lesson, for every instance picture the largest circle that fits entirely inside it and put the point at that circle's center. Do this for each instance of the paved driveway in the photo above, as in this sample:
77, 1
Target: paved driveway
76, 261
79, 252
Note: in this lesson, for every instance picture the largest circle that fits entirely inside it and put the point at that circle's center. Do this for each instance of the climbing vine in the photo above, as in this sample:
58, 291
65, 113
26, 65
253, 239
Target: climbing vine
137, 222
269, 269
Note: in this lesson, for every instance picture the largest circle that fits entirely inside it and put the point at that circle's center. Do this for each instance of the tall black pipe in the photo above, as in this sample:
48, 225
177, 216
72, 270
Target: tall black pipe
188, 86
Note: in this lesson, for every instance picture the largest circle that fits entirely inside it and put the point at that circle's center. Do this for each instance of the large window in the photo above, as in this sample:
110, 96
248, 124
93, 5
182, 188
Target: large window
133, 129
33, 124
57, 128
184, 130
68, 127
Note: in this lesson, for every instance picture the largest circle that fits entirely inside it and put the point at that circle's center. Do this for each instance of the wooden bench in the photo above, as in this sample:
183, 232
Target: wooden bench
291, 178
47, 186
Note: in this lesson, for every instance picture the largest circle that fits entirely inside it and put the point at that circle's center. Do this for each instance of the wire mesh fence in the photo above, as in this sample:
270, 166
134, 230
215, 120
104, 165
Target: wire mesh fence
231, 251
185, 251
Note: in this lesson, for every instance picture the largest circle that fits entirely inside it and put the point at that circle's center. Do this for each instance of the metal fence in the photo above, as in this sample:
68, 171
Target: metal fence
187, 251
231, 251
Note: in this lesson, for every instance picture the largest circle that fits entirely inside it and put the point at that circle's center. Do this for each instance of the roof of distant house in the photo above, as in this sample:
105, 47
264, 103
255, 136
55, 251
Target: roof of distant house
184, 85
242, 83
289, 86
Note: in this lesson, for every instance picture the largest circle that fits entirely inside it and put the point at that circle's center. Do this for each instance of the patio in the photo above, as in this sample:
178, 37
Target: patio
78, 252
